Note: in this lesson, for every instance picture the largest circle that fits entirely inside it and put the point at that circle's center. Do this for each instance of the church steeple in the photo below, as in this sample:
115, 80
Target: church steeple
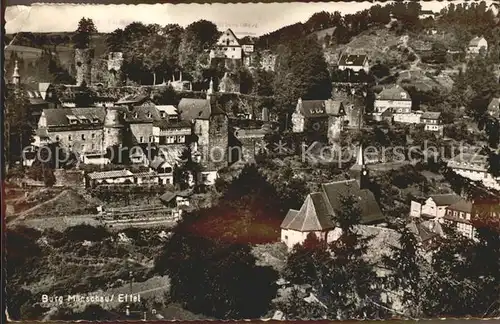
358, 171
16, 78
210, 91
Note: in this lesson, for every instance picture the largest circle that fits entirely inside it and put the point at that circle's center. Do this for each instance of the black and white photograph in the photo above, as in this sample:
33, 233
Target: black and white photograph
280, 161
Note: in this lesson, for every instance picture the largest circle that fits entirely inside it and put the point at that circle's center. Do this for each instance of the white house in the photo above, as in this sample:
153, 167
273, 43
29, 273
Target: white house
476, 44
432, 121
434, 207
394, 99
355, 63
228, 46
474, 167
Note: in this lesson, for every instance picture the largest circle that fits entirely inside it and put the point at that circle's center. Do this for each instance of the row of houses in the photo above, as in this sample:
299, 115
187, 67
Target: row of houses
454, 210
149, 134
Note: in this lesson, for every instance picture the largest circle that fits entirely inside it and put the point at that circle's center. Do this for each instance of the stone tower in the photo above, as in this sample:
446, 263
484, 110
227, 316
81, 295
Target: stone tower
115, 62
298, 119
218, 132
83, 65
113, 128
16, 77
359, 171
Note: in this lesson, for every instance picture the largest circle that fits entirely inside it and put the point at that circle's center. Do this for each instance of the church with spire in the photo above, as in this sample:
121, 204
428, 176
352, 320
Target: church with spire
320, 209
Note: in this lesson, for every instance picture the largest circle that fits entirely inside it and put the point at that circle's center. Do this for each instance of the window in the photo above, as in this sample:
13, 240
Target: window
57, 137
141, 139
93, 135
204, 177
286, 237
93, 146
83, 136
181, 139
70, 138
151, 138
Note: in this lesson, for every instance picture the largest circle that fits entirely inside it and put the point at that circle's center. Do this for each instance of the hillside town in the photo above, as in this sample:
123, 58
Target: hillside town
344, 167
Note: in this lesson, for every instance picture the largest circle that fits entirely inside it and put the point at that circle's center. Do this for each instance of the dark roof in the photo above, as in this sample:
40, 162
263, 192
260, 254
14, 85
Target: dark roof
461, 205
431, 115
142, 114
169, 195
352, 60
312, 216
59, 116
370, 210
445, 199
395, 92
312, 108
425, 230
166, 124
190, 109
110, 174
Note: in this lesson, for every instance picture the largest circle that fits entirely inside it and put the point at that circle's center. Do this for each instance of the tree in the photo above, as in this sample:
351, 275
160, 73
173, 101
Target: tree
197, 40
115, 41
19, 130
83, 33
405, 279
262, 84
301, 72
215, 278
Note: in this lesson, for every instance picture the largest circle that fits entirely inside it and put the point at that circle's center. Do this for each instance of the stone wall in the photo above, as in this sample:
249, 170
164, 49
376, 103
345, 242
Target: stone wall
83, 65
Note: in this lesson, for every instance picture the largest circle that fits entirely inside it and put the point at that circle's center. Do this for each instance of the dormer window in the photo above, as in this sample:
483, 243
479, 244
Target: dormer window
163, 114
72, 119
149, 115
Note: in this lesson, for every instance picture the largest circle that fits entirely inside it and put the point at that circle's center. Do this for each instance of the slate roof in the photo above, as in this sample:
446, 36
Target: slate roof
461, 205
431, 115
312, 216
142, 114
313, 108
110, 174
425, 230
370, 210
395, 92
169, 195
58, 116
445, 199
191, 109
352, 60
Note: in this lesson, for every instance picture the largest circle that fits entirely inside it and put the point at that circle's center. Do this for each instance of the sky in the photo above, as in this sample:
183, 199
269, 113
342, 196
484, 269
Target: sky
243, 18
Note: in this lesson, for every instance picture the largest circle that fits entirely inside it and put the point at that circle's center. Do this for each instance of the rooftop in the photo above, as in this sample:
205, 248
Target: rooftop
395, 92
110, 174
